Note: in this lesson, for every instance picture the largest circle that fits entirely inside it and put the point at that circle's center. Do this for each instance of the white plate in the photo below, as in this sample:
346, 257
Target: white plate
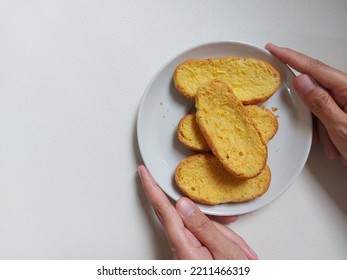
162, 107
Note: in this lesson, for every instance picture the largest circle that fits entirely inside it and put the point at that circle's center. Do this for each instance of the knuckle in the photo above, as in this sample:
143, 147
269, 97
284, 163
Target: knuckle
203, 226
321, 102
162, 214
316, 64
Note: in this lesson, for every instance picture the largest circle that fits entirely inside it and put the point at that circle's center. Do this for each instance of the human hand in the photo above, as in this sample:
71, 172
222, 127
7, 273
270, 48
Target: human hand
191, 234
324, 91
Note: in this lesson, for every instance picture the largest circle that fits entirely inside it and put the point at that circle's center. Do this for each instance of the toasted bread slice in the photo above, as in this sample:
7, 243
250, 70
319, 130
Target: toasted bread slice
229, 131
190, 135
252, 80
264, 120
203, 178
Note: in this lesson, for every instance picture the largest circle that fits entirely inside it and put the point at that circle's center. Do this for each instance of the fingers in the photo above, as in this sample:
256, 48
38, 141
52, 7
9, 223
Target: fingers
324, 140
194, 236
332, 122
228, 233
329, 77
165, 211
188, 229
319, 101
184, 245
324, 91
207, 233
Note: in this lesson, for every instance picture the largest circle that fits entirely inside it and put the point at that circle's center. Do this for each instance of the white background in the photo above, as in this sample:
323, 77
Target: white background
72, 74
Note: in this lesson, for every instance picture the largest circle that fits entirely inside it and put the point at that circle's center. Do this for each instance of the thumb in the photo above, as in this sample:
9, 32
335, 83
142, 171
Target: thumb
318, 100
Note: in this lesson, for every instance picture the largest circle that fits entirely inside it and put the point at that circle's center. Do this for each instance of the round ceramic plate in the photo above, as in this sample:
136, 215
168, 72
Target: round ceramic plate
162, 107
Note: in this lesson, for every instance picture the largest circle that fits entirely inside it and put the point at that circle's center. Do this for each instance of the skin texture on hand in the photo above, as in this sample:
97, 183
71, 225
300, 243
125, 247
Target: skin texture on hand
191, 234
324, 91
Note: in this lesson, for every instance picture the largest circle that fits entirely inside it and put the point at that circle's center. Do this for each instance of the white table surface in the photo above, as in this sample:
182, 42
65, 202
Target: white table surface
72, 74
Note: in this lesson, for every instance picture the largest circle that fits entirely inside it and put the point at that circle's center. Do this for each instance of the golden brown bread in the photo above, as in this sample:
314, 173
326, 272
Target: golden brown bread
264, 120
203, 178
229, 131
252, 80
190, 135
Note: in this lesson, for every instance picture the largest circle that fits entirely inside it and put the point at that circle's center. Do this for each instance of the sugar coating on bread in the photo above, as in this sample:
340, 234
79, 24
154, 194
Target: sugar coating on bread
203, 178
189, 134
229, 131
252, 80
264, 120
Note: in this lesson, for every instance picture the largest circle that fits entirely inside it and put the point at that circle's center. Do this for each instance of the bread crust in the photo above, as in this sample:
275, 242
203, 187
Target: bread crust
253, 80
203, 178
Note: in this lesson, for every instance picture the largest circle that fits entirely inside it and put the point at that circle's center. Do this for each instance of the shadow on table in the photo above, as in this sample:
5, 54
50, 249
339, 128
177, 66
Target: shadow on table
332, 175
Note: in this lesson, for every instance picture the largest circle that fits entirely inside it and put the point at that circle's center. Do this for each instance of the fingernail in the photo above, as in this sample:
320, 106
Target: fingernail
270, 45
304, 84
186, 207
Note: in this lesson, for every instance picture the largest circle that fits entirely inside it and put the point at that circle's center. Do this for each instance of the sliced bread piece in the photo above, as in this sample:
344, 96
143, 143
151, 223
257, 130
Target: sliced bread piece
203, 178
252, 80
264, 120
189, 134
229, 131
